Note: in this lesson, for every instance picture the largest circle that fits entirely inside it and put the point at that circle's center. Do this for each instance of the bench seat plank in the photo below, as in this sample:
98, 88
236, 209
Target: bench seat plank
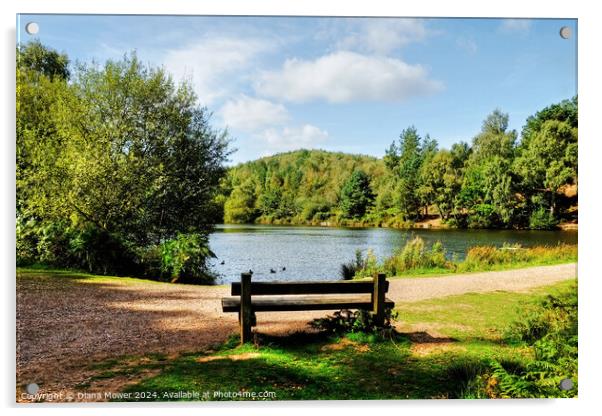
302, 303
308, 288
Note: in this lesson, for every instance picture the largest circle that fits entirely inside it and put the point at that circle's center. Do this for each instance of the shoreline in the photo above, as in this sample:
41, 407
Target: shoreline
427, 225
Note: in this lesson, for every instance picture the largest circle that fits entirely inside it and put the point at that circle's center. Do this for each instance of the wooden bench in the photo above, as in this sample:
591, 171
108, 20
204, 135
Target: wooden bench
250, 297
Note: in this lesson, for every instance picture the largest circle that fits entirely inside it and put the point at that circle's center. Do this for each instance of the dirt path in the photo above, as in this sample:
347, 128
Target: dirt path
65, 326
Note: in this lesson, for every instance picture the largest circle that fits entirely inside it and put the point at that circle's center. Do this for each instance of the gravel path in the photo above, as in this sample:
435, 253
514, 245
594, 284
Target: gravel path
65, 325
412, 290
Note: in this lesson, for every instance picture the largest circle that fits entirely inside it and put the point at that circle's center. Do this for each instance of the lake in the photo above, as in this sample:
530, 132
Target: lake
316, 253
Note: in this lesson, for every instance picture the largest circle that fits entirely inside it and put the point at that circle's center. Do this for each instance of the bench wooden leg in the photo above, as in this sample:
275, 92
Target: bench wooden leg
246, 310
378, 299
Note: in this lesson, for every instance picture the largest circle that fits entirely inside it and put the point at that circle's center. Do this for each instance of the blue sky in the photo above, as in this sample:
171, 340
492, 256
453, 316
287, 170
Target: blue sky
343, 84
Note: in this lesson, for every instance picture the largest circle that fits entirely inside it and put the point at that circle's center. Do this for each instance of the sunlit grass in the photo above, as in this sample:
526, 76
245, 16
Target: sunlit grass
462, 333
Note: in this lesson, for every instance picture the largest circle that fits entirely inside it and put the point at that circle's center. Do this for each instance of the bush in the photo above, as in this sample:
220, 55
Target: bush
184, 259
89, 248
315, 210
348, 270
542, 219
359, 321
99, 251
369, 265
550, 330
415, 255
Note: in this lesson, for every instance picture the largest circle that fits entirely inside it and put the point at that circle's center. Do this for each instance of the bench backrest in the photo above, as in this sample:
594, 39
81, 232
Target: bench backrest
309, 288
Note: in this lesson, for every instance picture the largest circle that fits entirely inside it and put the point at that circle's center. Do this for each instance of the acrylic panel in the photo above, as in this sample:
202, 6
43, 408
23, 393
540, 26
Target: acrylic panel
295, 208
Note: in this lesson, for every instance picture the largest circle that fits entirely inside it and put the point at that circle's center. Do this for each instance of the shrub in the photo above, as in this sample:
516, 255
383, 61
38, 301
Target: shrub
415, 255
90, 248
184, 259
360, 321
542, 219
315, 210
369, 265
349, 269
26, 242
469, 378
99, 251
550, 330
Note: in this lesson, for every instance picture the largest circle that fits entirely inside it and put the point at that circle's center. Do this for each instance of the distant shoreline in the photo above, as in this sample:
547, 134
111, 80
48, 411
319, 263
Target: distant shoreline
421, 225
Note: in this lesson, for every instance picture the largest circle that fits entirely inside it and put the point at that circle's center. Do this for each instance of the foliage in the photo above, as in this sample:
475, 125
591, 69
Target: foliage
405, 161
349, 269
485, 257
498, 181
37, 59
356, 195
184, 259
547, 157
369, 265
542, 219
415, 257
551, 331
362, 321
303, 186
118, 159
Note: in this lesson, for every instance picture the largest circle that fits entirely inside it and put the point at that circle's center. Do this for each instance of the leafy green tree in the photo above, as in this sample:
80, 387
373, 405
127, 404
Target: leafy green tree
38, 59
356, 195
547, 157
240, 205
566, 110
443, 179
408, 170
425, 190
488, 188
119, 149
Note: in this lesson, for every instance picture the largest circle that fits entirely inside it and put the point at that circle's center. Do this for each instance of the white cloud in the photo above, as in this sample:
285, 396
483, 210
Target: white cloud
346, 76
250, 114
382, 35
291, 138
515, 25
213, 63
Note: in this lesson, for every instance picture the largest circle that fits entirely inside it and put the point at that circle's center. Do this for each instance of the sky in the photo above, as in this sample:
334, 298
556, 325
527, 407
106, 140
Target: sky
340, 84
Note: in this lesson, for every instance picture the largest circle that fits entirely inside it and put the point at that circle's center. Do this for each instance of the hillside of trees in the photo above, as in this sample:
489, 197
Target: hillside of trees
498, 180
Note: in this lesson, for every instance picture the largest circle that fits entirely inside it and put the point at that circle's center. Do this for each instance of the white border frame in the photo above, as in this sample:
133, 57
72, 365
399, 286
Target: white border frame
589, 166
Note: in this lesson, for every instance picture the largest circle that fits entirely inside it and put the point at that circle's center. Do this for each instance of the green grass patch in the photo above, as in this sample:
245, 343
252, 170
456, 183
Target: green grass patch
416, 259
457, 339
43, 273
475, 316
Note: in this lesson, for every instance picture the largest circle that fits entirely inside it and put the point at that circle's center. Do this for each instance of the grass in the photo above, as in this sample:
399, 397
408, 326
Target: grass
442, 344
415, 259
43, 272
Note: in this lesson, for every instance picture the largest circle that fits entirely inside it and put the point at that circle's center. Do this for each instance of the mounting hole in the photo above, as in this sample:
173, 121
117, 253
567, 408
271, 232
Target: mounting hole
32, 28
565, 32
32, 388
567, 384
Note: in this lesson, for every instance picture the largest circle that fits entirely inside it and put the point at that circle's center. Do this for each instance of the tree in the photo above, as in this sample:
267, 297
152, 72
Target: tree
443, 179
566, 110
488, 188
356, 195
120, 149
36, 58
408, 170
548, 154
425, 190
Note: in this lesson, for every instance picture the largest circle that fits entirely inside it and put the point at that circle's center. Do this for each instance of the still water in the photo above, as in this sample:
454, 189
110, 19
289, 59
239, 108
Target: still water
316, 253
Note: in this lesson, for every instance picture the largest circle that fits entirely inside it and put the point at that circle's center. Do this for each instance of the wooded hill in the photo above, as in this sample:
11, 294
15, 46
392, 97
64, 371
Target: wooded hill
497, 181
